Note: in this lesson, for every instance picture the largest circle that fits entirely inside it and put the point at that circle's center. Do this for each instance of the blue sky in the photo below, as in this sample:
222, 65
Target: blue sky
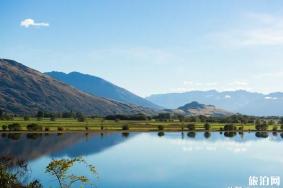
151, 46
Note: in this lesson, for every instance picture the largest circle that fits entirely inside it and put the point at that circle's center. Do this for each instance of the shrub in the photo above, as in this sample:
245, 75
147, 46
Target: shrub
207, 126
230, 127
86, 128
81, 119
14, 127
275, 128
52, 119
262, 126
125, 127
4, 127
47, 129
26, 118
60, 128
160, 127
191, 127
101, 128
34, 127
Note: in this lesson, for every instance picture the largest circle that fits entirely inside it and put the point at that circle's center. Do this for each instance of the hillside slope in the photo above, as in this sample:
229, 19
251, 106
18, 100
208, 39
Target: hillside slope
99, 87
195, 109
25, 91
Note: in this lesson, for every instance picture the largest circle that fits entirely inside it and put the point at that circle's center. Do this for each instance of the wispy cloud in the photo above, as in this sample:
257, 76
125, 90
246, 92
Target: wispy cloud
31, 23
137, 55
223, 86
264, 30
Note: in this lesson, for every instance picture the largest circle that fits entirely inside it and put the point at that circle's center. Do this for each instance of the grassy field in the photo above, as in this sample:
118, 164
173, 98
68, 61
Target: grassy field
99, 124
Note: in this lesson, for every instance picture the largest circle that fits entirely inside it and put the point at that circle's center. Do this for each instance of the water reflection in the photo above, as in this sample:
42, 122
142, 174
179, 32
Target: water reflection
146, 160
261, 134
191, 134
33, 145
207, 135
160, 134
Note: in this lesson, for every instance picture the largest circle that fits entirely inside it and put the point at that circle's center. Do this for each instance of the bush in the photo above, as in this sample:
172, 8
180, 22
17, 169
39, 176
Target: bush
125, 127
60, 128
4, 127
26, 118
262, 126
160, 127
14, 127
52, 119
81, 119
275, 128
230, 127
34, 127
207, 126
86, 128
191, 127
101, 128
47, 129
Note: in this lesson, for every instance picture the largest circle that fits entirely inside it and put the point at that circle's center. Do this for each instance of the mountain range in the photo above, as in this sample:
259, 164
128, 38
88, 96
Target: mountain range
240, 101
26, 91
99, 87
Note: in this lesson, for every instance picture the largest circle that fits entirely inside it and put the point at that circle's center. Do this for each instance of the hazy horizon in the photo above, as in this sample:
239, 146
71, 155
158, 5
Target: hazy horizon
151, 47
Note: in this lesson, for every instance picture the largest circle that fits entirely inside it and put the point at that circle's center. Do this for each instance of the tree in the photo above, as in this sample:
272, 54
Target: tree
191, 127
281, 123
160, 127
261, 126
14, 127
207, 126
34, 127
59, 169
12, 172
125, 127
26, 118
40, 114
1, 113
230, 127
4, 127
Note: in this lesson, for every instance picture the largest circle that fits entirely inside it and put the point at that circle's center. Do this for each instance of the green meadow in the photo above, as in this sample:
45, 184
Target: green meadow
100, 124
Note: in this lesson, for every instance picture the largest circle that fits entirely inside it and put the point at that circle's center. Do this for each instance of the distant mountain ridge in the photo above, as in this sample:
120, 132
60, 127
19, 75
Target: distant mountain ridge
25, 91
99, 87
196, 109
240, 101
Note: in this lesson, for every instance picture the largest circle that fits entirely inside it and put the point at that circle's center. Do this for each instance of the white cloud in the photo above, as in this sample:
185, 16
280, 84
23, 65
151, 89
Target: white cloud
270, 98
263, 30
227, 97
31, 23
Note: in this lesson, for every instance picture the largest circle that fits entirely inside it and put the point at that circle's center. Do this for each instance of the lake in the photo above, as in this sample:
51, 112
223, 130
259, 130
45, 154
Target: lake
161, 160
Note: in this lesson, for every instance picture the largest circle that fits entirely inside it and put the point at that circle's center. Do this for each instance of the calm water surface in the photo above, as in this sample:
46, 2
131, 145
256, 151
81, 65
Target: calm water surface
188, 160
